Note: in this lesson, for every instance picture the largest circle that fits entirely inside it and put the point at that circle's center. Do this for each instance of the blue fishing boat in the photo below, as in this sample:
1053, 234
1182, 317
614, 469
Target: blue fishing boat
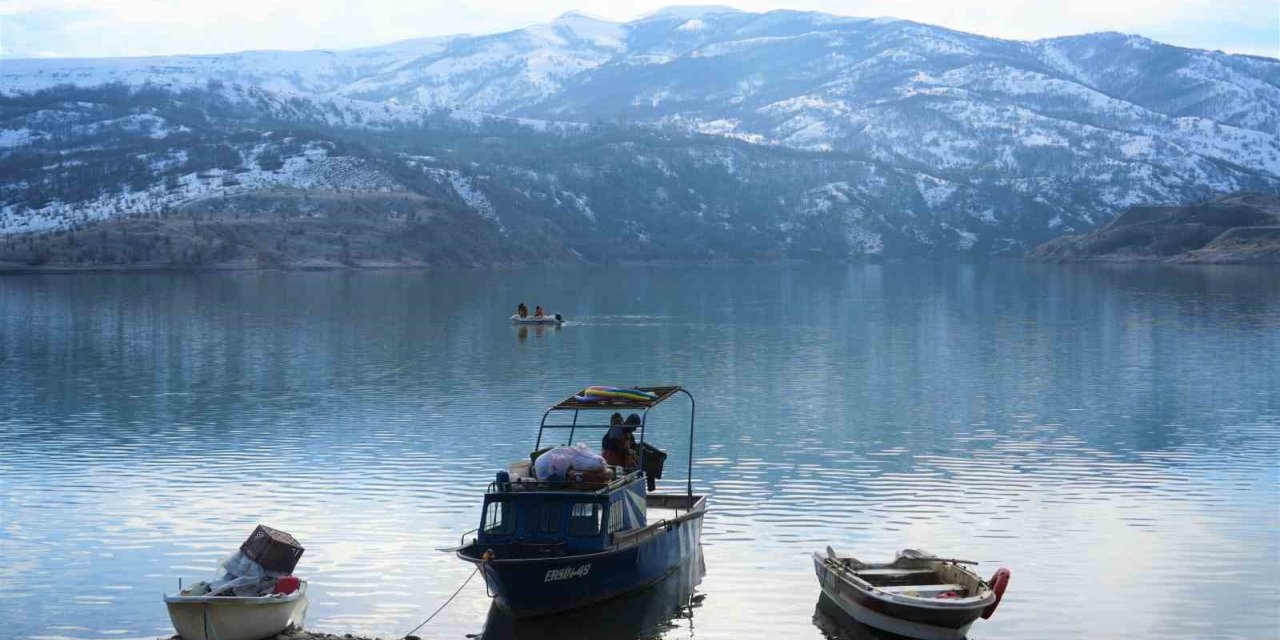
547, 545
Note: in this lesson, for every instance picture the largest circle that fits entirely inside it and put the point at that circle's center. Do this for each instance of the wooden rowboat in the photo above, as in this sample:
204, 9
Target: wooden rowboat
918, 595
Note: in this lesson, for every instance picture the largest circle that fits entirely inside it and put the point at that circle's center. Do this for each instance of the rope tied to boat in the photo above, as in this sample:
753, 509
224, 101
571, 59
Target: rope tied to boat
488, 555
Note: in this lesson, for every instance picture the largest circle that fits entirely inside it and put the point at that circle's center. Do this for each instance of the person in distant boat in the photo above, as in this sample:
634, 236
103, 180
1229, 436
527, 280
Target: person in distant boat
619, 443
522, 311
537, 312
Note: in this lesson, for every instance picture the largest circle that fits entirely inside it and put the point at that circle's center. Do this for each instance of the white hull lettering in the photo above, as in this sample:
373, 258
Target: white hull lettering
565, 573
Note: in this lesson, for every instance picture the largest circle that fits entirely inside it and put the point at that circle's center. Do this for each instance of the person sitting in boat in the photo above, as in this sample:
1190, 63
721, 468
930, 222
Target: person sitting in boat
619, 443
537, 312
522, 310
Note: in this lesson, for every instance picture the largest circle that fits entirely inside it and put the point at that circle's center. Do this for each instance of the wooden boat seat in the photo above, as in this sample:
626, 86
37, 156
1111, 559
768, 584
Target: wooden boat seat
893, 573
922, 590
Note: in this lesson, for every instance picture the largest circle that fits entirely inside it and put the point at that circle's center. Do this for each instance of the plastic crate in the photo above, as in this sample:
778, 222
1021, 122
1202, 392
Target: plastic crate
275, 550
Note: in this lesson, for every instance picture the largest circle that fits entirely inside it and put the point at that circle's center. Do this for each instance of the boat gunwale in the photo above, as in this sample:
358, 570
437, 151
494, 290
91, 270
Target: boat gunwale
844, 572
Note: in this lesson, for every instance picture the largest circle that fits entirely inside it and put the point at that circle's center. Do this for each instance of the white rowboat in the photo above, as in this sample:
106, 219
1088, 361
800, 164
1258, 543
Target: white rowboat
235, 618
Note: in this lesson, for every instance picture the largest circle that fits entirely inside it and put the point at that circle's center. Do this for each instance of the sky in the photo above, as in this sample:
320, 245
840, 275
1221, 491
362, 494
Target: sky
94, 28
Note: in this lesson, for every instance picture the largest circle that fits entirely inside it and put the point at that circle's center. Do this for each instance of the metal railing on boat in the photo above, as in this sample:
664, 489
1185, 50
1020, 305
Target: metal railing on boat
577, 486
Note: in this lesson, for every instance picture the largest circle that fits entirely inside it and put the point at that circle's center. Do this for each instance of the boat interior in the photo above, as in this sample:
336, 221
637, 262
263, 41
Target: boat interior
918, 577
665, 506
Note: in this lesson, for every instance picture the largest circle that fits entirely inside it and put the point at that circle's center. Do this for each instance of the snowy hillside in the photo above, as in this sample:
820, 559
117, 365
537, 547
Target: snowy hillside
889, 137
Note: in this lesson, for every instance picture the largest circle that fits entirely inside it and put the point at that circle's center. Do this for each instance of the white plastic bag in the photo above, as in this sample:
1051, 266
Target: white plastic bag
247, 587
584, 459
241, 576
241, 566
554, 465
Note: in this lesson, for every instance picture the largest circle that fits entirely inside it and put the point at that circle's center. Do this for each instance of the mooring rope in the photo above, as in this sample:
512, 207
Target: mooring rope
446, 603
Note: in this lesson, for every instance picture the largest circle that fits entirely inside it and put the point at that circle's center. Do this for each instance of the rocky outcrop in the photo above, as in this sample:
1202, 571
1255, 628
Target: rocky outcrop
1238, 245
1234, 229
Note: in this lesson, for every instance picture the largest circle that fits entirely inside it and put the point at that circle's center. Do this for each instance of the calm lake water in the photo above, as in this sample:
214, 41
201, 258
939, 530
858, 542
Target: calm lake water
1111, 434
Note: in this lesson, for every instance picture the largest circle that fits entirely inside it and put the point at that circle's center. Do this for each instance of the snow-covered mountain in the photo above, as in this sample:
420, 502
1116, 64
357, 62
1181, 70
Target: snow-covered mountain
962, 142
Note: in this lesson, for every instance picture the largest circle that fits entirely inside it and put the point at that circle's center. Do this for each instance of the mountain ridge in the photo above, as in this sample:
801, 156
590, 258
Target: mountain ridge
953, 142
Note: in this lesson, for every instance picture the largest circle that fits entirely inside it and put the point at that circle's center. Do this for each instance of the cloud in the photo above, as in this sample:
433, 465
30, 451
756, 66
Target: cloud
144, 27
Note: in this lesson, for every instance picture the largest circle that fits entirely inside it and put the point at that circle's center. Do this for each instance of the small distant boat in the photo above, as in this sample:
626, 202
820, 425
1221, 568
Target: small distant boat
236, 618
918, 595
551, 318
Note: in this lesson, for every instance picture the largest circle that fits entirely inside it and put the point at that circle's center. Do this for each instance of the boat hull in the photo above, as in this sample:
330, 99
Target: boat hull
544, 320
224, 618
639, 614
895, 617
541, 586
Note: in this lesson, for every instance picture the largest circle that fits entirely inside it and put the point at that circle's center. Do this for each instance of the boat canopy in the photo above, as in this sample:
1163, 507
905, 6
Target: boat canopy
574, 405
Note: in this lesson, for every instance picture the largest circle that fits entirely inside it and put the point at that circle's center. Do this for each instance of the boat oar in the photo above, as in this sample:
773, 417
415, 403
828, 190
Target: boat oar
955, 561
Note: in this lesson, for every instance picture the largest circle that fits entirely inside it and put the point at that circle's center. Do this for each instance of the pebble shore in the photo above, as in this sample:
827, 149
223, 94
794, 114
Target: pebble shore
302, 634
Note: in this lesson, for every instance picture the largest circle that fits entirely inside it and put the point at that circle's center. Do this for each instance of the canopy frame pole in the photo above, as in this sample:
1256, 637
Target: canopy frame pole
573, 427
693, 408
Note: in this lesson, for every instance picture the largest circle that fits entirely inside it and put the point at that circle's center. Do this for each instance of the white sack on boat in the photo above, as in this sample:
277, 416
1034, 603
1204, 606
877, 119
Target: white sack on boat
554, 464
584, 459
241, 576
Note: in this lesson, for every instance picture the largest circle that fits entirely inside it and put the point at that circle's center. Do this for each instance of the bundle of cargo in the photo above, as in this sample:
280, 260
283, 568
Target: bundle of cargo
256, 597
578, 467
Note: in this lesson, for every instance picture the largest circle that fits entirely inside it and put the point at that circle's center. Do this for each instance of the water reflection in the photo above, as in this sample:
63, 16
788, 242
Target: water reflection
835, 624
538, 330
664, 610
1117, 427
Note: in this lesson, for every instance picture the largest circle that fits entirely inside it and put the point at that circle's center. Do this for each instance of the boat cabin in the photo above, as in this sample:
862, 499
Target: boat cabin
560, 520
